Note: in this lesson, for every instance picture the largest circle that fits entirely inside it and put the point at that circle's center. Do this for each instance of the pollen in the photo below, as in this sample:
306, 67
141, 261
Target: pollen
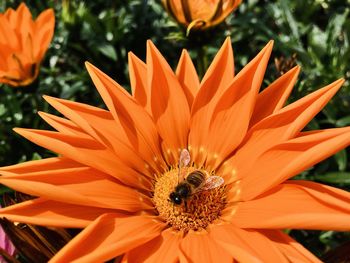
195, 213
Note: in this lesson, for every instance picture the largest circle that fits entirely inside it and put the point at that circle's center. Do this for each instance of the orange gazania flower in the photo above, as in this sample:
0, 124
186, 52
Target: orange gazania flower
200, 14
23, 43
118, 167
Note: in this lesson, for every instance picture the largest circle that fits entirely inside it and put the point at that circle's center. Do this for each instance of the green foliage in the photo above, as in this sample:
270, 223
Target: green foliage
103, 32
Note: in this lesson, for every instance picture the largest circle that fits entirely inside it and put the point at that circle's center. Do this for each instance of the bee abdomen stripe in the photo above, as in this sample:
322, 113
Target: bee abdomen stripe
195, 178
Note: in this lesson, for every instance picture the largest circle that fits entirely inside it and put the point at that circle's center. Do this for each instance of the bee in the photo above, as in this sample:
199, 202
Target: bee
195, 182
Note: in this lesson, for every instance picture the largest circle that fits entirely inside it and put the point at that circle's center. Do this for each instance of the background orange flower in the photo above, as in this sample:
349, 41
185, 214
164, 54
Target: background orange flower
200, 14
23, 43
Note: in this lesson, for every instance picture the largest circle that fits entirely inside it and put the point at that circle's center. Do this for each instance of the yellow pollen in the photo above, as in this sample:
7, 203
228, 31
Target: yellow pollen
201, 208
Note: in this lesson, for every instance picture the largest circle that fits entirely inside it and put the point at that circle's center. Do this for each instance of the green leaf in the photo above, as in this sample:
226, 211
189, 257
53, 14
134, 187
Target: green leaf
5, 189
343, 121
341, 158
334, 178
325, 236
108, 51
317, 39
335, 26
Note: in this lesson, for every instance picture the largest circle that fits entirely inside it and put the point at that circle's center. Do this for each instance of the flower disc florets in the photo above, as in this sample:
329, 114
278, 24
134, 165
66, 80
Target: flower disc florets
196, 212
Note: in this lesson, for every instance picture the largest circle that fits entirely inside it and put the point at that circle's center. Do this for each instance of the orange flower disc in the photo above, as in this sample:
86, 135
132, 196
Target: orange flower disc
200, 210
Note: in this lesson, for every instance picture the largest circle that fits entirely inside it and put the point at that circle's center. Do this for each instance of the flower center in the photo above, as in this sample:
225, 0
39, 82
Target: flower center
196, 209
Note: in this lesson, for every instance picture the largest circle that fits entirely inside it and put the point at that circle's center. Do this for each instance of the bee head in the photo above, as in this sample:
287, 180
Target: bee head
175, 198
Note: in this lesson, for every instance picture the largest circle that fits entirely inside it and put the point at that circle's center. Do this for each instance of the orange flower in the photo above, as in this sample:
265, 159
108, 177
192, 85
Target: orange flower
200, 14
23, 43
118, 167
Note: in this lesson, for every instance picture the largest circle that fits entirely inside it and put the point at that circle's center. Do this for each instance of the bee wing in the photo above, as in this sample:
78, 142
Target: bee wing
212, 182
184, 158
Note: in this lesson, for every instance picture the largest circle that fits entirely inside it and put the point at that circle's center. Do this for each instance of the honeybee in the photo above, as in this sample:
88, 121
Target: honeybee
195, 182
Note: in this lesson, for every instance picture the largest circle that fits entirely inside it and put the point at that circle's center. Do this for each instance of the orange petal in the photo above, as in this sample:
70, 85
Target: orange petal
74, 111
100, 125
164, 248
51, 213
272, 99
169, 105
62, 125
230, 119
11, 16
53, 163
80, 186
25, 24
245, 245
44, 29
216, 80
8, 35
136, 122
291, 249
187, 76
138, 80
281, 126
108, 237
297, 205
200, 247
226, 8
88, 152
285, 160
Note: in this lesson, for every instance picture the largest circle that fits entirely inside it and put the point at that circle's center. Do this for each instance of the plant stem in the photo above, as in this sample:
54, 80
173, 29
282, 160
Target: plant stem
202, 61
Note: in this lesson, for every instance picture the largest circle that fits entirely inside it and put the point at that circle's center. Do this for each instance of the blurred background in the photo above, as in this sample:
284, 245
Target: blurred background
311, 33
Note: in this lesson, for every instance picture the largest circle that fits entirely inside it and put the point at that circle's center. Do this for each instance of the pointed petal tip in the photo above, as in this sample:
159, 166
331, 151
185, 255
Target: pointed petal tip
185, 55
227, 43
47, 97
151, 48
266, 51
22, 6
340, 81
269, 45
92, 69
131, 55
149, 42
89, 66
25, 132
150, 45
335, 85
184, 52
19, 131
42, 114
296, 69
50, 11
133, 59
50, 100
